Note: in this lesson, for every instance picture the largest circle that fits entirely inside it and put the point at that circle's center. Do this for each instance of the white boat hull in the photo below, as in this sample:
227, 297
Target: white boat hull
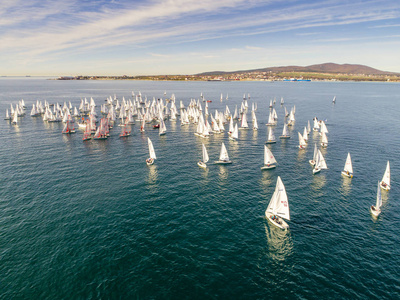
374, 212
268, 167
316, 170
149, 161
278, 222
202, 165
346, 174
384, 187
312, 162
222, 162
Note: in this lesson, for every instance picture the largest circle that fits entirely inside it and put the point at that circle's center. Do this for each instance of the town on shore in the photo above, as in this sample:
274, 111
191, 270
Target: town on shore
248, 76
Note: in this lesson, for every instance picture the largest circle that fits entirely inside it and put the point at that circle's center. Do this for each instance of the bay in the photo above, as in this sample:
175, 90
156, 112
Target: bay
92, 220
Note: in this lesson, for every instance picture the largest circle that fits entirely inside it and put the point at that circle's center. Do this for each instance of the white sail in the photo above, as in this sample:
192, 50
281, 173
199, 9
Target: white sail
324, 140
255, 124
323, 127
244, 121
163, 128
315, 153
320, 162
386, 176
235, 132
305, 134
151, 149
348, 167
271, 135
224, 154
279, 204
302, 142
205, 155
378, 198
285, 131
269, 158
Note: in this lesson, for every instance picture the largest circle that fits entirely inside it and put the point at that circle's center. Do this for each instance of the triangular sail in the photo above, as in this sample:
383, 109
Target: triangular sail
302, 142
205, 155
386, 176
285, 131
321, 163
151, 149
348, 167
269, 158
271, 135
235, 133
378, 198
224, 153
315, 152
279, 204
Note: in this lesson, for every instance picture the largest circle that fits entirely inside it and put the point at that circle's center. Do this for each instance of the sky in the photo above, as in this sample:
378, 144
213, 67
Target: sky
155, 37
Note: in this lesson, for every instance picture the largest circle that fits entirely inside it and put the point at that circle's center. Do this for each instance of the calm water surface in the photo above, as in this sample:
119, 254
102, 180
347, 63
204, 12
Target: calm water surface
92, 220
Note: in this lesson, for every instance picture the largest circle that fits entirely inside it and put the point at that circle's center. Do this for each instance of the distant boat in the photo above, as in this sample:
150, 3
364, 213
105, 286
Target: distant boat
312, 162
348, 167
202, 163
302, 142
385, 183
223, 157
285, 132
334, 100
320, 163
235, 133
271, 136
152, 153
163, 128
125, 132
255, 124
269, 159
278, 208
376, 210
68, 128
7, 115
305, 134
244, 124
87, 134
324, 140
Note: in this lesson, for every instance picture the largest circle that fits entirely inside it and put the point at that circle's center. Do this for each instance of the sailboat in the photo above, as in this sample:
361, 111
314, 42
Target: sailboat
285, 132
334, 100
87, 134
7, 115
125, 132
348, 167
385, 183
152, 157
235, 133
202, 163
324, 140
320, 163
223, 157
278, 208
269, 159
255, 124
302, 142
163, 128
376, 210
312, 162
271, 136
68, 128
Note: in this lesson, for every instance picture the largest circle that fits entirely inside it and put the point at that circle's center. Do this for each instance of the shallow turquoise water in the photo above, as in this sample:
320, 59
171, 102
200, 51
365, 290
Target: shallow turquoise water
92, 220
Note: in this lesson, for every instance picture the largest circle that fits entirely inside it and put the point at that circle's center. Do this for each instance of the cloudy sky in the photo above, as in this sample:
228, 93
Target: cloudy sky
143, 37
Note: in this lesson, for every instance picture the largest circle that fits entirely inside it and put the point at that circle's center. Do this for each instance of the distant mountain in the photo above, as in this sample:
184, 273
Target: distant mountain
319, 68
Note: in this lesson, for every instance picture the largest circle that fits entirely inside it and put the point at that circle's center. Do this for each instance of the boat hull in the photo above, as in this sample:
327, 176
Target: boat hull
278, 222
316, 170
344, 173
384, 187
149, 161
270, 142
312, 162
202, 165
284, 137
266, 167
375, 212
222, 162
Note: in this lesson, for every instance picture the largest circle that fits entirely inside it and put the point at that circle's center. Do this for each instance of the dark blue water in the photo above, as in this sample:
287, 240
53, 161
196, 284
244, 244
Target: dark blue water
92, 220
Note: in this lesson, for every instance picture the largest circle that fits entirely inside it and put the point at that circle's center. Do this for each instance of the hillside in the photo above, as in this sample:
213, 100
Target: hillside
318, 68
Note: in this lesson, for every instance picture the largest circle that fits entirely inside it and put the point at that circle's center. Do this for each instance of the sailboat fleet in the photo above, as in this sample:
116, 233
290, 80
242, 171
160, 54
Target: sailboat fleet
208, 123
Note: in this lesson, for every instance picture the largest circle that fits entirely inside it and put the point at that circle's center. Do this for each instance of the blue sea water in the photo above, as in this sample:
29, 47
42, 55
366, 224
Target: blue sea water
90, 220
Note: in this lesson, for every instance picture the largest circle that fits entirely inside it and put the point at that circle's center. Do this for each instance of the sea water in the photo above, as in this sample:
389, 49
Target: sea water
90, 220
